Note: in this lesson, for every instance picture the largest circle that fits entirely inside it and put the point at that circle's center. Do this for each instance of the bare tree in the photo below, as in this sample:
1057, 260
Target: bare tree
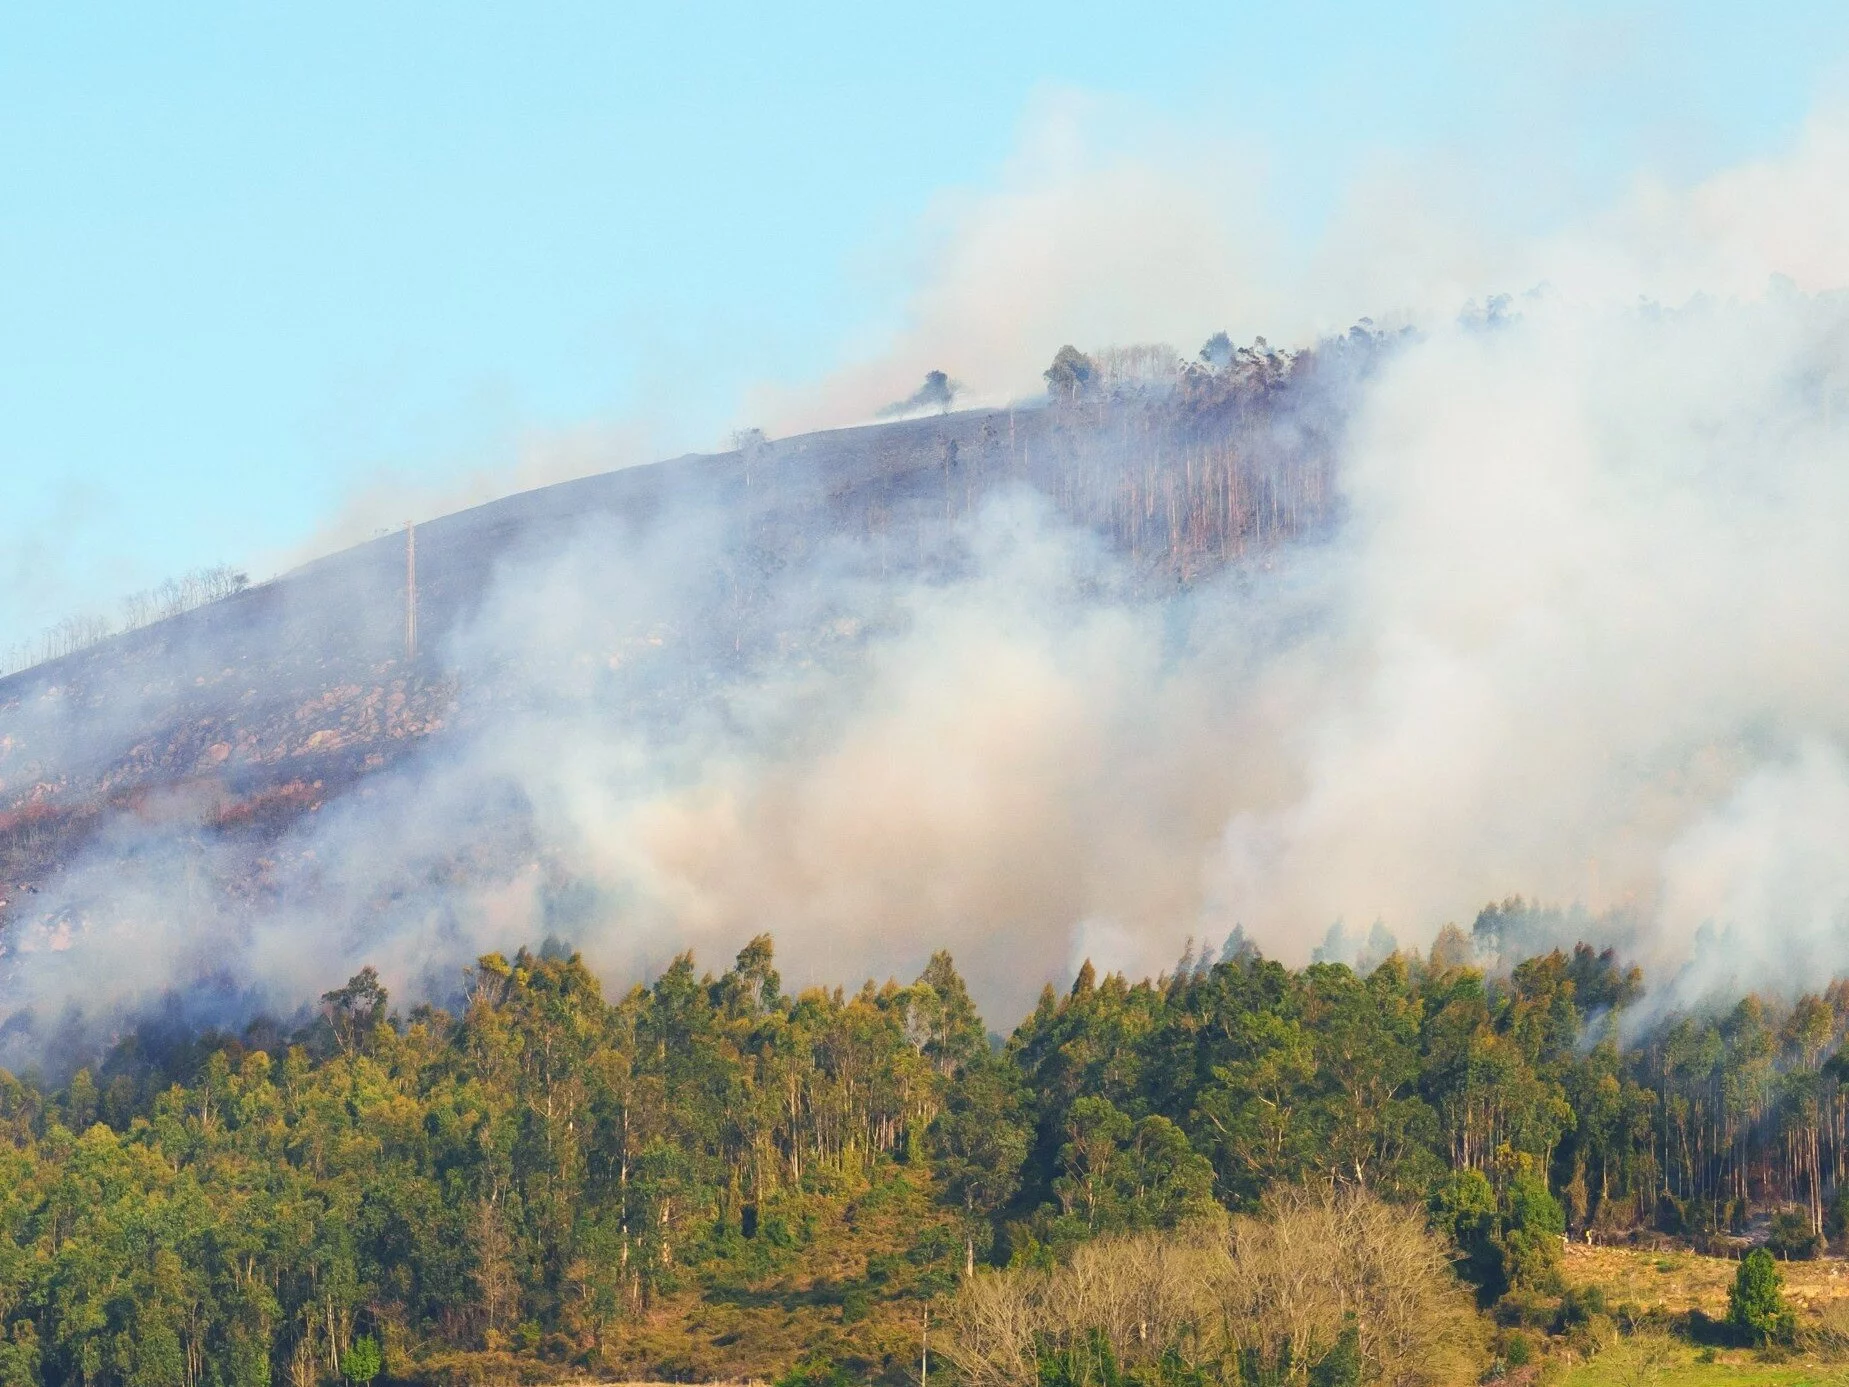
169, 598
1280, 1289
1313, 1257
1140, 365
137, 610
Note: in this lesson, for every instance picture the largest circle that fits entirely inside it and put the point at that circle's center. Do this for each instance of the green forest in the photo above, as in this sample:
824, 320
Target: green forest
708, 1177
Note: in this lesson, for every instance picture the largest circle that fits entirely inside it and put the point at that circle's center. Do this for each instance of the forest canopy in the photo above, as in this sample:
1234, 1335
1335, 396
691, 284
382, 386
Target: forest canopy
710, 1176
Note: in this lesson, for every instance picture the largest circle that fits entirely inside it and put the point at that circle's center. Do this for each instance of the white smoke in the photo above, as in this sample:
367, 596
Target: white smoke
1597, 574
1582, 634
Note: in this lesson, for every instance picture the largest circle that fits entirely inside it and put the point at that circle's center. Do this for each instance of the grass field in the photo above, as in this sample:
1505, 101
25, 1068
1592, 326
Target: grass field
1620, 1366
1660, 1285
1682, 1281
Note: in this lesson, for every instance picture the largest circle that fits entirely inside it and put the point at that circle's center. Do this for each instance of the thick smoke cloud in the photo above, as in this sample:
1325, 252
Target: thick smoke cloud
1020, 758
1588, 644
1582, 634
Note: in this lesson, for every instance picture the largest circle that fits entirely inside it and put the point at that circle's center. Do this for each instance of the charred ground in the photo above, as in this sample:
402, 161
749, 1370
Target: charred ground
234, 720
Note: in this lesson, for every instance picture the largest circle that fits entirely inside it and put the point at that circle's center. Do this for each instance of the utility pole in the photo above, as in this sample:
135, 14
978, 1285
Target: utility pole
410, 590
924, 1350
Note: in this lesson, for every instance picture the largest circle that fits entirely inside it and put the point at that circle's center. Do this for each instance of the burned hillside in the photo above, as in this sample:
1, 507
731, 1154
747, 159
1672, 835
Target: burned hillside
229, 724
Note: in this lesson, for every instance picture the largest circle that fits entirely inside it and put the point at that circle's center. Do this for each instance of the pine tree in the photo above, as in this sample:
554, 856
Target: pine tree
1756, 1305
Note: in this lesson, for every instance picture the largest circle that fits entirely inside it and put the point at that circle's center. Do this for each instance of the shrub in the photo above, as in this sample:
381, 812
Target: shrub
815, 1370
1526, 1310
1085, 1362
1341, 1366
1756, 1306
1502, 1245
1645, 1360
776, 1232
1836, 1216
1463, 1207
1592, 1336
361, 1362
1792, 1237
1579, 1306
1532, 1227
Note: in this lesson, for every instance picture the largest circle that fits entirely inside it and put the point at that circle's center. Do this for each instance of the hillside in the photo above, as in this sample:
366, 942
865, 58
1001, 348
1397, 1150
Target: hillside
654, 586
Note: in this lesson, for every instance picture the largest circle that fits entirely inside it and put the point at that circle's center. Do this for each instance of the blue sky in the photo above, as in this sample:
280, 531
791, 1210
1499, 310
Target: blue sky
256, 259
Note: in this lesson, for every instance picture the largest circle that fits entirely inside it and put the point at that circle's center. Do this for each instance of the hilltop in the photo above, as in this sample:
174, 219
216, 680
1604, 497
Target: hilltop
230, 723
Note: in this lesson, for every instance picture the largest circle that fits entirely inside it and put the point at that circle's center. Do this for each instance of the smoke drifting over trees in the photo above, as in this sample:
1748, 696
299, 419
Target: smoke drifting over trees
1378, 632
708, 634
169, 599
1544, 598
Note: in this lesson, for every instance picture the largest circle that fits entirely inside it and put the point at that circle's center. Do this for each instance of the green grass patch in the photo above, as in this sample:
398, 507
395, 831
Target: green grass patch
1618, 1367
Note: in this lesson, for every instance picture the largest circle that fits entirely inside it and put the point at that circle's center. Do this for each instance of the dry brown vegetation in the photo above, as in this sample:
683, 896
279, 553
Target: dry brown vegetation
1679, 1281
1280, 1284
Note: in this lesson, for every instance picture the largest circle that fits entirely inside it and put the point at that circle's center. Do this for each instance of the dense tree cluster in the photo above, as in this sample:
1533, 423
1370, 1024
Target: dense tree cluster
544, 1174
1328, 1286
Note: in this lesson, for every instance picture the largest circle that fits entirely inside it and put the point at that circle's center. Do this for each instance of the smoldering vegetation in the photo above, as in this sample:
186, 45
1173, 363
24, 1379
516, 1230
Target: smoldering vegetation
1544, 601
937, 393
641, 706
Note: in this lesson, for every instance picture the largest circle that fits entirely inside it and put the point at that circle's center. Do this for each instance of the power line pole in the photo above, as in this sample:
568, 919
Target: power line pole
924, 1350
410, 590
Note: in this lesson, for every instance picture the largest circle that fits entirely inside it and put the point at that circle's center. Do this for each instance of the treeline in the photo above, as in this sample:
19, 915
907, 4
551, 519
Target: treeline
546, 1177
169, 598
1190, 465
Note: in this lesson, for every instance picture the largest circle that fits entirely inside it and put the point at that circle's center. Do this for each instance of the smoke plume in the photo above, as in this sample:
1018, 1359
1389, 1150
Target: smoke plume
1581, 633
